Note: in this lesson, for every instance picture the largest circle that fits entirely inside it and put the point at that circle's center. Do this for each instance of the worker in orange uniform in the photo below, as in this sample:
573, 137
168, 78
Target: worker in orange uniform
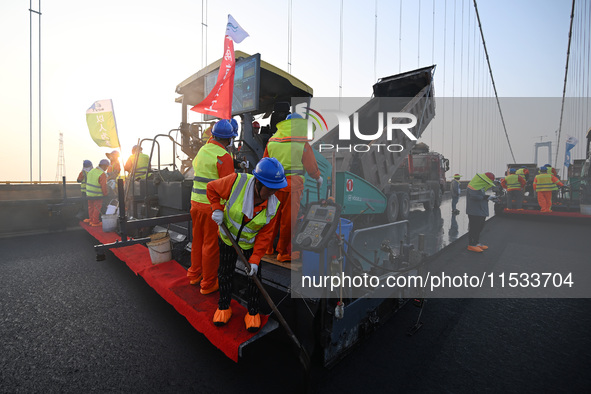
514, 184
96, 188
82, 178
211, 163
143, 162
551, 170
544, 185
290, 146
113, 170
249, 214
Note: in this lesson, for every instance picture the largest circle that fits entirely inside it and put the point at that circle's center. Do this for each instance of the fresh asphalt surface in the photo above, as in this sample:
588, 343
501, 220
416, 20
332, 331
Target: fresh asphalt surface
72, 324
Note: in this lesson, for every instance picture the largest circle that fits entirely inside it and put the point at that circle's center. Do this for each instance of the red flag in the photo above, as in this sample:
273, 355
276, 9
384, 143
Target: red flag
219, 101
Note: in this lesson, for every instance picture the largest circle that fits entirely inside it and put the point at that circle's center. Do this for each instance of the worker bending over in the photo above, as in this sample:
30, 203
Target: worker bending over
290, 146
514, 184
249, 212
477, 208
96, 188
544, 185
211, 163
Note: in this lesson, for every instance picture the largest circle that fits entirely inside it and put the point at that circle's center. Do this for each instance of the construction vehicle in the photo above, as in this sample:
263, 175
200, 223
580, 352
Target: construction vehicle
331, 321
411, 175
575, 196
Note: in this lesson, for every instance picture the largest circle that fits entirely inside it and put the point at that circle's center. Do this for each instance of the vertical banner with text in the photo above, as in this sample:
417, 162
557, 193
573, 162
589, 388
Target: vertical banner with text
100, 118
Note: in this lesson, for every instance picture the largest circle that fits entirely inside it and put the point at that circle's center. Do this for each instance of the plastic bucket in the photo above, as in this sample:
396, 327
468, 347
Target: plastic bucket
159, 248
109, 223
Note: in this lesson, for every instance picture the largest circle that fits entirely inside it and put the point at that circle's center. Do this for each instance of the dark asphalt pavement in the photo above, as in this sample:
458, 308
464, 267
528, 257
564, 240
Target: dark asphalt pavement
72, 324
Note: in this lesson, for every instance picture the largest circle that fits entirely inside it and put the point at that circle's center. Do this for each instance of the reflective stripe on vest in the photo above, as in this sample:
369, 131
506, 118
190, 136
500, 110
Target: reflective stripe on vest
84, 181
141, 171
513, 182
233, 216
289, 154
544, 183
93, 187
206, 170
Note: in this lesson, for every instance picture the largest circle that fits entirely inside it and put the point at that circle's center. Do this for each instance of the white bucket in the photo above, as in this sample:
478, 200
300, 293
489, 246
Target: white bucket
159, 248
585, 209
109, 223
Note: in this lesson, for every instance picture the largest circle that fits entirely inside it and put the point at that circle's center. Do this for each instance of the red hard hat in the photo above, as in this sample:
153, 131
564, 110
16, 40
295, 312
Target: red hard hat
490, 175
256, 125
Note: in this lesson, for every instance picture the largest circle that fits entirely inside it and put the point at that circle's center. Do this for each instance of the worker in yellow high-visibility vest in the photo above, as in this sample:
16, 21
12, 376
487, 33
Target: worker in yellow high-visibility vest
514, 184
82, 179
246, 205
544, 184
290, 146
96, 188
212, 162
143, 162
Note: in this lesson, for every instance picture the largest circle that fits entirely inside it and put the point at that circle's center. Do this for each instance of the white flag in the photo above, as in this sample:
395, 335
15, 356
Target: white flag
233, 29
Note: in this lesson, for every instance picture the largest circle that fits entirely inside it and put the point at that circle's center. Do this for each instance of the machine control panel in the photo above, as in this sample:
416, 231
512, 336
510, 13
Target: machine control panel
320, 223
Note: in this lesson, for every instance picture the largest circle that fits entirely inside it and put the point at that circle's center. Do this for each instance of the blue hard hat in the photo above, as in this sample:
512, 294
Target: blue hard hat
234, 125
294, 116
512, 171
547, 165
543, 169
222, 129
270, 173
104, 162
87, 163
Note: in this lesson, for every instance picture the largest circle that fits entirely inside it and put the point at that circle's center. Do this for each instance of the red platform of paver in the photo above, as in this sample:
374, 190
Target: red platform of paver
170, 281
553, 213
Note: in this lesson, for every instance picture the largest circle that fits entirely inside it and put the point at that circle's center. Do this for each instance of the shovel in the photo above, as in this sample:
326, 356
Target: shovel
303, 355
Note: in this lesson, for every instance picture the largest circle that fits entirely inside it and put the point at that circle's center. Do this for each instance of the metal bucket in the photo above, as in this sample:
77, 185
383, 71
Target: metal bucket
159, 248
109, 223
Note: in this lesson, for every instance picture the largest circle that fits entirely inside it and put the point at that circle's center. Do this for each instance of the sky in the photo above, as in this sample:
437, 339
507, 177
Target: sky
136, 52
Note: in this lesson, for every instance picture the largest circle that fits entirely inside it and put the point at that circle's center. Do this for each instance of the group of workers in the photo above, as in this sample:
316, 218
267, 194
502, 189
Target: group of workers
544, 184
477, 200
254, 208
101, 181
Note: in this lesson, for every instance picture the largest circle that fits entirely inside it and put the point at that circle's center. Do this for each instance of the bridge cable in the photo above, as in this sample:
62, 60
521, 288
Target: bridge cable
492, 79
570, 31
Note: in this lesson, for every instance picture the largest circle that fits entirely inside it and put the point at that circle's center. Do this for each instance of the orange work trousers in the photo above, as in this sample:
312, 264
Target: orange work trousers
286, 219
94, 210
545, 201
205, 253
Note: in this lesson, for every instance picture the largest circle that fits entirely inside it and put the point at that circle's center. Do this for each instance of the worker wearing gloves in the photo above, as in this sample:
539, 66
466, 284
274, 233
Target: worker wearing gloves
82, 179
477, 208
290, 146
143, 162
96, 188
544, 185
514, 184
455, 193
249, 214
211, 163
